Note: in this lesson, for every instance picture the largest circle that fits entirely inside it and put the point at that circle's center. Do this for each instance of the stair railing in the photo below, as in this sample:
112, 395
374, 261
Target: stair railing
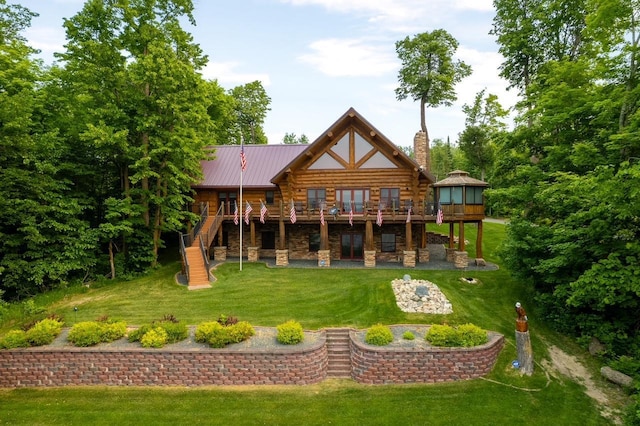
205, 257
183, 253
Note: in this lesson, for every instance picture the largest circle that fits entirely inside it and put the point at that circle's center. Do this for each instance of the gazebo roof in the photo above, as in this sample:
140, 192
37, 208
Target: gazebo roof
459, 178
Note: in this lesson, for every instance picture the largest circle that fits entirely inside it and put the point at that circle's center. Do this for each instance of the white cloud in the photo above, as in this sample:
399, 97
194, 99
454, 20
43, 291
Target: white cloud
225, 72
350, 58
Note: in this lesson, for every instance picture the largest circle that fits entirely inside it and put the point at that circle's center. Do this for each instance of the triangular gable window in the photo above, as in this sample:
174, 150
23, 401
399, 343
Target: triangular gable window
352, 151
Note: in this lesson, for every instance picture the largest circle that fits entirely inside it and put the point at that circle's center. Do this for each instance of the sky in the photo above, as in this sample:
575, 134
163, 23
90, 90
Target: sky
318, 58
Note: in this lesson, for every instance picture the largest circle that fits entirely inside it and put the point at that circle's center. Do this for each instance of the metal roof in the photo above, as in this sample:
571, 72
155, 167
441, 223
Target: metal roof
459, 178
263, 163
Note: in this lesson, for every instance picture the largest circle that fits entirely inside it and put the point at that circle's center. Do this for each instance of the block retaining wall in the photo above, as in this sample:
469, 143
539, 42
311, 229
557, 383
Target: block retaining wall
47, 367
382, 365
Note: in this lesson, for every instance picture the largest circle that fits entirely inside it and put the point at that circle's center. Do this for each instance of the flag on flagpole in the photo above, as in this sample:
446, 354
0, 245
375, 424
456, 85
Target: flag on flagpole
235, 214
243, 159
263, 211
321, 216
440, 215
379, 217
292, 213
409, 214
247, 212
351, 214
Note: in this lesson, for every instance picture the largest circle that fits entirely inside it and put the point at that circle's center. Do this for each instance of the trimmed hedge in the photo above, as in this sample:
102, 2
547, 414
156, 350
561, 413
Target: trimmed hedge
217, 335
90, 333
290, 333
465, 335
379, 335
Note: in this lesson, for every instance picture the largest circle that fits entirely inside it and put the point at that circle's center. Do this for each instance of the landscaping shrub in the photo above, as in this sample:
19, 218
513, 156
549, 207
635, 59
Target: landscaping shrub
407, 335
240, 331
471, 335
379, 335
205, 330
176, 331
44, 332
154, 338
137, 334
290, 333
219, 336
227, 320
14, 339
465, 335
90, 333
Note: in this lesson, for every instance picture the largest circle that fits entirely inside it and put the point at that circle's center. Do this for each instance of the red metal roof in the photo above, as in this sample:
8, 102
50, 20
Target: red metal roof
263, 163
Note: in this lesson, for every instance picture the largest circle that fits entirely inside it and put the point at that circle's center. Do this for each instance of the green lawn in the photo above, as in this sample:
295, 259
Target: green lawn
317, 298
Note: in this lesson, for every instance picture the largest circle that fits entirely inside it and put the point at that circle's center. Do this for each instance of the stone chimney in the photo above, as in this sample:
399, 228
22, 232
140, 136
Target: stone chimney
421, 150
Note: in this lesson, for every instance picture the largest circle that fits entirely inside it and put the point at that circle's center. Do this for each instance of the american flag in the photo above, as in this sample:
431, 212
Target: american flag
409, 215
379, 217
263, 211
243, 159
321, 216
351, 215
235, 214
292, 213
247, 212
440, 215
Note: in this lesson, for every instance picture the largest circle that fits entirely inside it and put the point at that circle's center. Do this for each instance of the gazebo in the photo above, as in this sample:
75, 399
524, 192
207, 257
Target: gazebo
461, 200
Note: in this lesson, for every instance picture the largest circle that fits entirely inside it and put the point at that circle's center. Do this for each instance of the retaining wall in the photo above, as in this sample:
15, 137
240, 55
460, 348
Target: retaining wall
42, 366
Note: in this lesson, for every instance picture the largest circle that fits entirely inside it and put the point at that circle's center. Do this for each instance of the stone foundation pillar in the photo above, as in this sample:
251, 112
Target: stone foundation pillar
450, 254
370, 258
409, 260
461, 259
220, 253
282, 257
423, 255
252, 254
324, 258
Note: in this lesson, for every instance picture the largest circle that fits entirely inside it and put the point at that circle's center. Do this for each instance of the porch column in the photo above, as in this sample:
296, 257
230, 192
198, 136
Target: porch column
479, 258
324, 236
409, 245
220, 236
253, 233
461, 236
283, 241
368, 236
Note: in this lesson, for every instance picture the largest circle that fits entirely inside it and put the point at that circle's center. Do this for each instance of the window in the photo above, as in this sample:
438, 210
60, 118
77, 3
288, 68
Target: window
456, 194
390, 197
269, 197
445, 195
268, 240
388, 243
315, 196
345, 198
314, 242
228, 200
474, 195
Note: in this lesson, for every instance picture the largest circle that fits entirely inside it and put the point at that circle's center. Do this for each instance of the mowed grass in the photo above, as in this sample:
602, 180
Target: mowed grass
317, 298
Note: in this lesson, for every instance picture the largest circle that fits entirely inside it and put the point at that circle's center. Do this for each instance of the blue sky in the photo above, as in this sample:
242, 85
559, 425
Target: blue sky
318, 58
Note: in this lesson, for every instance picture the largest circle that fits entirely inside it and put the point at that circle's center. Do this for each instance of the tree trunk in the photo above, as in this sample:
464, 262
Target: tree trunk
112, 262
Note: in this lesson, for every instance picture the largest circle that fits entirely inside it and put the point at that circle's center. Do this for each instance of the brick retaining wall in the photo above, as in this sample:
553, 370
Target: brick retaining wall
42, 366
382, 365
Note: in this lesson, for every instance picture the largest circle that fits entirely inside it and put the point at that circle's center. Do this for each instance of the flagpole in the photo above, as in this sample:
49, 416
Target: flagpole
241, 204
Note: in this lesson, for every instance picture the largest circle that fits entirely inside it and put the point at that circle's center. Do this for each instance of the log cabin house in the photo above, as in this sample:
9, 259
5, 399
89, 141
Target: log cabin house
350, 195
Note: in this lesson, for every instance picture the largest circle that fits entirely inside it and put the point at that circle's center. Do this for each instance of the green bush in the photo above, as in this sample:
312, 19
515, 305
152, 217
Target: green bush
176, 331
239, 332
471, 335
154, 338
379, 335
465, 335
14, 339
407, 335
44, 332
86, 333
205, 330
90, 333
219, 336
290, 333
137, 334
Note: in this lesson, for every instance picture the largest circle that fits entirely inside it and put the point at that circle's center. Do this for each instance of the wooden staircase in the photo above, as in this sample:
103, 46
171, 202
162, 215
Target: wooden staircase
198, 274
339, 354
